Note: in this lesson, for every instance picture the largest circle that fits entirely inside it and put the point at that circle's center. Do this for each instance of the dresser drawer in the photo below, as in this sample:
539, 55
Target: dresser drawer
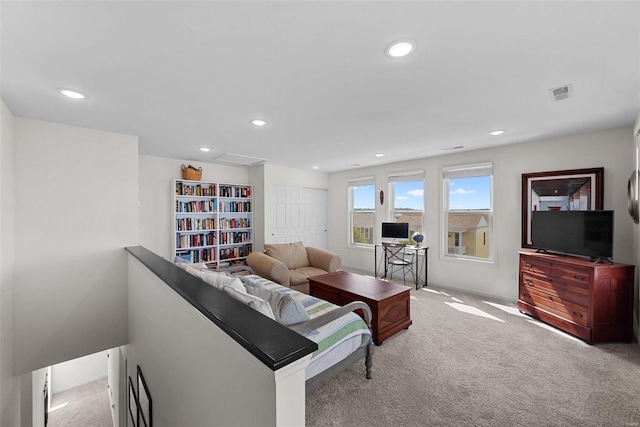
561, 307
564, 289
576, 276
580, 277
535, 266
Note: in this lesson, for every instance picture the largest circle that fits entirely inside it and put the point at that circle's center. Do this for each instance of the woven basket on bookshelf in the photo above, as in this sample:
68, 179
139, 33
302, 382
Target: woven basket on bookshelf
191, 173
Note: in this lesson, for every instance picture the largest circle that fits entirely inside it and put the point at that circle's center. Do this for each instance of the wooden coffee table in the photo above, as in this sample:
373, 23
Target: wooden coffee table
388, 301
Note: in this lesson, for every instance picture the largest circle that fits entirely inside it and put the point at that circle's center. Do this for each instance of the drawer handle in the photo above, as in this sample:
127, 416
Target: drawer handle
577, 313
575, 276
527, 295
526, 264
527, 279
550, 298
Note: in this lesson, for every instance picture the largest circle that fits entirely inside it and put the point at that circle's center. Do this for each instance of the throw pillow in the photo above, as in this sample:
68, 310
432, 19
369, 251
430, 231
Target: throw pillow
287, 309
252, 301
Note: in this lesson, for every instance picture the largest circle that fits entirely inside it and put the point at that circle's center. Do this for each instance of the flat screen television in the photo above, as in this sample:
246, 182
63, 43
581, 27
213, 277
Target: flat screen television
585, 233
395, 230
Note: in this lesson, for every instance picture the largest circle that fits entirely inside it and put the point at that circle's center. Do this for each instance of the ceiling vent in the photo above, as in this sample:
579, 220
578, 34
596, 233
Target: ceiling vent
238, 160
560, 93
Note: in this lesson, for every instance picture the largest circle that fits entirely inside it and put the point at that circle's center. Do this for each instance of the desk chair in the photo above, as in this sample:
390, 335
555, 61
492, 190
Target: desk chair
396, 258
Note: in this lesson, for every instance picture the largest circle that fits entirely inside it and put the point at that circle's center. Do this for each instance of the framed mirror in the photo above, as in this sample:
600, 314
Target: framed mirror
572, 189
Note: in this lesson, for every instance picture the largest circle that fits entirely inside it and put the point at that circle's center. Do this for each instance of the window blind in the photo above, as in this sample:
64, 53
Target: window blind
467, 171
406, 176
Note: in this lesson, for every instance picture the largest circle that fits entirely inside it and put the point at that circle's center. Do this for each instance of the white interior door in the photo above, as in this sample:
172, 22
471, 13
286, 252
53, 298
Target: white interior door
300, 215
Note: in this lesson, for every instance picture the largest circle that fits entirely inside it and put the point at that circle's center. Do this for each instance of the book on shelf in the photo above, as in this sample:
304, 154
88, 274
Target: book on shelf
198, 190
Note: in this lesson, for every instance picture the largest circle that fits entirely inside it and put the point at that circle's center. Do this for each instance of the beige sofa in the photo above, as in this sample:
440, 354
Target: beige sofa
291, 264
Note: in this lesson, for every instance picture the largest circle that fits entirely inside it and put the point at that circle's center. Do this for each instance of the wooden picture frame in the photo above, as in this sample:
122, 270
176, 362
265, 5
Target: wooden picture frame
144, 402
571, 189
133, 404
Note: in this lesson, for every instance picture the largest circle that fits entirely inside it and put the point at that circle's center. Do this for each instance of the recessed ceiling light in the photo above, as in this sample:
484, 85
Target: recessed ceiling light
379, 155
401, 48
315, 167
71, 94
205, 149
258, 122
496, 132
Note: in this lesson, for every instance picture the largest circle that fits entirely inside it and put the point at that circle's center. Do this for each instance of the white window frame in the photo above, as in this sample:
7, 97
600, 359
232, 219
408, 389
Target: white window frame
358, 182
467, 171
404, 177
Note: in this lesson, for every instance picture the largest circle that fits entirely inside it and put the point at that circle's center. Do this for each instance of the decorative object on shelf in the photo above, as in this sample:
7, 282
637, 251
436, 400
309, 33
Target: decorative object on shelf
573, 189
191, 173
632, 196
145, 417
418, 238
381, 197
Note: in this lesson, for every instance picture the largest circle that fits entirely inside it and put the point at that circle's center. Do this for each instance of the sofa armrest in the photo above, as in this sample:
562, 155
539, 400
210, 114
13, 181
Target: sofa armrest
313, 324
325, 260
269, 268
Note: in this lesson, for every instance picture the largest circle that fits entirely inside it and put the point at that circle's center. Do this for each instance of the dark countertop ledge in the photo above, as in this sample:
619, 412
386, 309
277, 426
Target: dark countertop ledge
273, 344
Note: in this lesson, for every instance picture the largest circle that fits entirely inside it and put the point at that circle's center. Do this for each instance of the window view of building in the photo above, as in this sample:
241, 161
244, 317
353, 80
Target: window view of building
469, 210
362, 195
407, 200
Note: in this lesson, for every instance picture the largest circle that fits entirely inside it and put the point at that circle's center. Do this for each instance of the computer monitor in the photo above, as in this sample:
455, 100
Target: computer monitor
395, 231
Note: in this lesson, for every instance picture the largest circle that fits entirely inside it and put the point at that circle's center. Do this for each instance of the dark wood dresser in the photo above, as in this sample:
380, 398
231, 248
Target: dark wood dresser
593, 301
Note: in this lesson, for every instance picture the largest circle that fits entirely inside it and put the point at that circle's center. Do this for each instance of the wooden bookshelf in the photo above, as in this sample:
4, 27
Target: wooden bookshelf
212, 222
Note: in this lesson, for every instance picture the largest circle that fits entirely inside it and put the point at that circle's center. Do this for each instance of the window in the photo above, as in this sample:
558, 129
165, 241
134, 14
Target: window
406, 200
362, 211
468, 211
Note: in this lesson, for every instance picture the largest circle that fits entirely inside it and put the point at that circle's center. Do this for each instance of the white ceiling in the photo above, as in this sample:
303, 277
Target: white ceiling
184, 74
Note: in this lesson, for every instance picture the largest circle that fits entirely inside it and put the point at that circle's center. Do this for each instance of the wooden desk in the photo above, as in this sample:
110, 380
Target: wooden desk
389, 302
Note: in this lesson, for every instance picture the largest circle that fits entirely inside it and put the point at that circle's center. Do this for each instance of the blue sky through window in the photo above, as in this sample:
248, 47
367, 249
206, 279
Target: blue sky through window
409, 195
364, 197
470, 193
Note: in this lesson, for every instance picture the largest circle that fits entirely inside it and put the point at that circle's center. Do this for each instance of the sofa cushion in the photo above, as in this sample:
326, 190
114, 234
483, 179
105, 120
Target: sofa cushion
216, 279
190, 266
252, 301
293, 255
287, 309
220, 280
301, 275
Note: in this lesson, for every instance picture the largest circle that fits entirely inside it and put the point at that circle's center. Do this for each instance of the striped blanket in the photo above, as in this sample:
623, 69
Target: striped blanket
336, 340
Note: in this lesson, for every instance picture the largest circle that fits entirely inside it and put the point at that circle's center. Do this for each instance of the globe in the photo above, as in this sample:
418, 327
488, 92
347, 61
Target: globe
418, 238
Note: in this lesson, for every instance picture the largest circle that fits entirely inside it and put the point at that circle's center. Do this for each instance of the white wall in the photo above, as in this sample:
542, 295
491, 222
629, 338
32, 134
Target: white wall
76, 198
9, 383
609, 149
80, 371
203, 377
155, 182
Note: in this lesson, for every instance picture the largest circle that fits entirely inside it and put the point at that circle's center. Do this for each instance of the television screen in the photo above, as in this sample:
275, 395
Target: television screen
586, 233
395, 230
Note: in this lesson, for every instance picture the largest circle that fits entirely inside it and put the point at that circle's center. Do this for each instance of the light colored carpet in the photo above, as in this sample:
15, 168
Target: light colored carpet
82, 406
472, 361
